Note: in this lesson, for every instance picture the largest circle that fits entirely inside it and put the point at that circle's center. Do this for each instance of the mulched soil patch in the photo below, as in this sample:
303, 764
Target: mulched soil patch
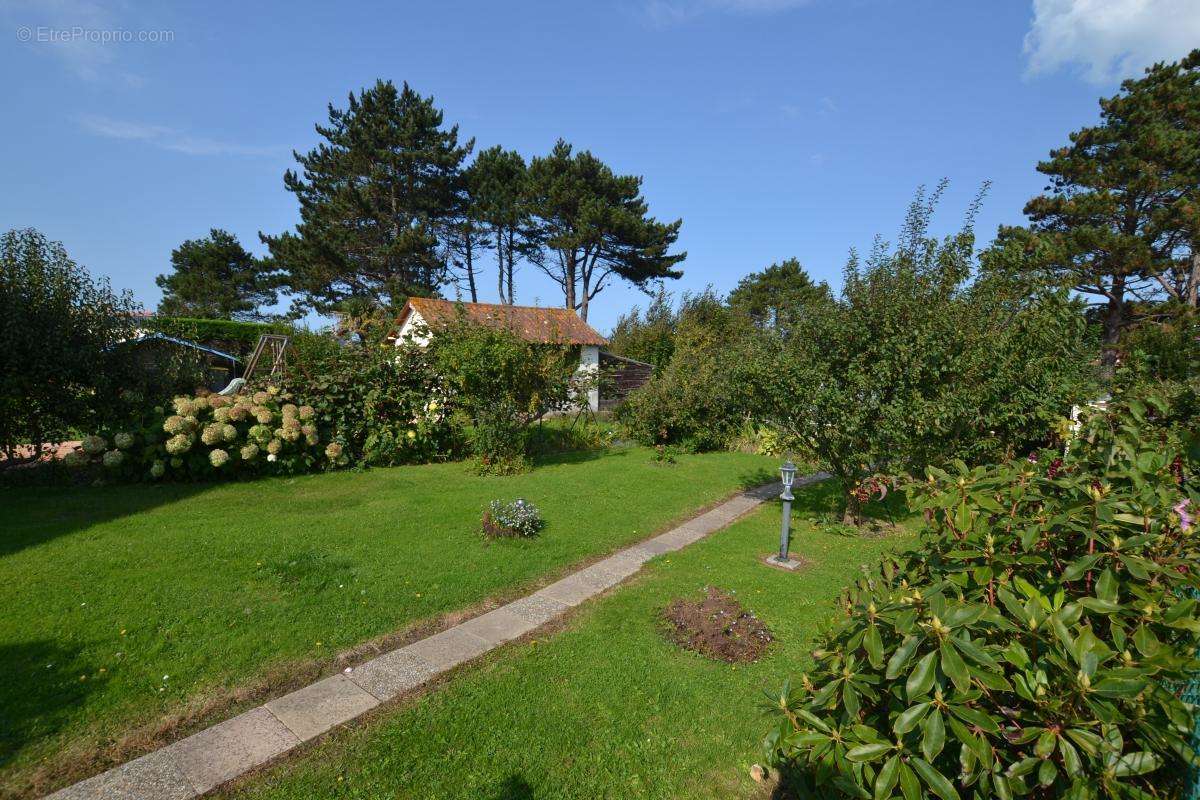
716, 627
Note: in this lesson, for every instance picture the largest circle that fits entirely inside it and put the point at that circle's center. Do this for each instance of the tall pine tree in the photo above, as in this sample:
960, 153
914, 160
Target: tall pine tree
216, 278
376, 196
499, 181
1121, 219
597, 227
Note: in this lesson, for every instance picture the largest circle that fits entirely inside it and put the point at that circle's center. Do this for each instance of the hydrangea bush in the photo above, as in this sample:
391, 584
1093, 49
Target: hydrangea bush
209, 436
519, 518
1032, 645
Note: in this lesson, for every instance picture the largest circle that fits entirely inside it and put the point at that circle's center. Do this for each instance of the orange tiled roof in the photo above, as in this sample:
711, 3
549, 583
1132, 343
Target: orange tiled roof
532, 323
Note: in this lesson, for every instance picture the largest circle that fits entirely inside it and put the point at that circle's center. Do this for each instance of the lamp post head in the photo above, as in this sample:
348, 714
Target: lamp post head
788, 473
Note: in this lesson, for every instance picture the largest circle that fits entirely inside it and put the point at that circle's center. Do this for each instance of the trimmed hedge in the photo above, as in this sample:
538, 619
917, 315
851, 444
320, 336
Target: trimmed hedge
234, 336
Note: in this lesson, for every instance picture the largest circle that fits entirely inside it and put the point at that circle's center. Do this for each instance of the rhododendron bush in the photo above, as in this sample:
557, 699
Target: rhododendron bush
1033, 645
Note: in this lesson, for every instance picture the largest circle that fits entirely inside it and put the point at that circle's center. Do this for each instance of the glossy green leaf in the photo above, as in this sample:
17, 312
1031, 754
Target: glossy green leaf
920, 680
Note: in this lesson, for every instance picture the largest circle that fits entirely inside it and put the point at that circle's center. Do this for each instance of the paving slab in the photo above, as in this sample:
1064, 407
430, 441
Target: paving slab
497, 627
538, 609
226, 750
155, 775
680, 538
601, 576
571, 590
392, 674
661, 544
316, 708
449, 648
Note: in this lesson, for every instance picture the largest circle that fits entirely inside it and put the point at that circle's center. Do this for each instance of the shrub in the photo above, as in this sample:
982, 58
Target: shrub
516, 519
501, 384
699, 399
233, 336
922, 360
1032, 643
61, 366
381, 405
204, 437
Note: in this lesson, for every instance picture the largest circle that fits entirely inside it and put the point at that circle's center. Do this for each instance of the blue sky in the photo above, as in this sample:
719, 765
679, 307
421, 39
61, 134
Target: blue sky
774, 128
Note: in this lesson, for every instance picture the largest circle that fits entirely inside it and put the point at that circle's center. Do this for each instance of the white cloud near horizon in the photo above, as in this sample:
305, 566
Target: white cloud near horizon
1108, 40
166, 138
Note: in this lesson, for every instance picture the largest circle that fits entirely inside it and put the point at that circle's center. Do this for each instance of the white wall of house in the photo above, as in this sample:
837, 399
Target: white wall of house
589, 364
414, 327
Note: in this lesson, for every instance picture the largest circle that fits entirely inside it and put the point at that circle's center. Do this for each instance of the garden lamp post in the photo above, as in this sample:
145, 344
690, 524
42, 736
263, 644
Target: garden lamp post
788, 473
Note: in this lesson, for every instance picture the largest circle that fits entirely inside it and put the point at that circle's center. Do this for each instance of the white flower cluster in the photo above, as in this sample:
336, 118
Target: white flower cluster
520, 517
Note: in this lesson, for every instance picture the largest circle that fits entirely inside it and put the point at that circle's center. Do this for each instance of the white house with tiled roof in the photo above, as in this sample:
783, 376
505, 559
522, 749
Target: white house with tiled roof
422, 317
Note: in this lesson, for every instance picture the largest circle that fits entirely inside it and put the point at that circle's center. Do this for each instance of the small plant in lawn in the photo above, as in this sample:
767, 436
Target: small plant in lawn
664, 456
517, 519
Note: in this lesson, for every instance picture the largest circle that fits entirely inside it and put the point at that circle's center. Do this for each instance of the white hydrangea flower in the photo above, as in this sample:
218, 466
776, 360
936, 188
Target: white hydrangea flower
94, 445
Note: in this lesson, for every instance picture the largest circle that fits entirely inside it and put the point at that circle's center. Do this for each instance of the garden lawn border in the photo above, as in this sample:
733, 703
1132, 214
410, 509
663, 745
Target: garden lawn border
205, 760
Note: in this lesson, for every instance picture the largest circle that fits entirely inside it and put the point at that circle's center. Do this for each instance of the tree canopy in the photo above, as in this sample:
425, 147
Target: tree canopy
775, 297
216, 278
376, 198
918, 362
597, 227
499, 187
63, 367
1121, 219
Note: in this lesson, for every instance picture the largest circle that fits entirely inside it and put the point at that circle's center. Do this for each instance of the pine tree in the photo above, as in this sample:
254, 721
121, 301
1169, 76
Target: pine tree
1121, 219
597, 227
375, 200
779, 295
499, 180
216, 278
467, 233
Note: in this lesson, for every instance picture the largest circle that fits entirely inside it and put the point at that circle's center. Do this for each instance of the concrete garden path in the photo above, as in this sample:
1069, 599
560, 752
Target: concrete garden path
200, 763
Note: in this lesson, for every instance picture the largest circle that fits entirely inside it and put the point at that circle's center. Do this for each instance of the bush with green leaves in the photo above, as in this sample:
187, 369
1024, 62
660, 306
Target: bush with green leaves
237, 337
699, 400
1032, 645
384, 405
923, 359
63, 367
500, 384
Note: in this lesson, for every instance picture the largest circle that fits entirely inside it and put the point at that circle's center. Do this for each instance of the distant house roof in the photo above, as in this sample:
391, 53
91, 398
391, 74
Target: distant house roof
531, 323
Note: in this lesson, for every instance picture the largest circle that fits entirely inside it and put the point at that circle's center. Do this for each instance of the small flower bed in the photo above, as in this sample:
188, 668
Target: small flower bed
518, 519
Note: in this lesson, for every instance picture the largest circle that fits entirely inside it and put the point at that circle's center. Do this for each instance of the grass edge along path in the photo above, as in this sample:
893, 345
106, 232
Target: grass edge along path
214, 756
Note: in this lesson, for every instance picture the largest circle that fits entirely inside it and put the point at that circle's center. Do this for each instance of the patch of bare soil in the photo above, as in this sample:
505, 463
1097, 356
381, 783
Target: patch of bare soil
716, 627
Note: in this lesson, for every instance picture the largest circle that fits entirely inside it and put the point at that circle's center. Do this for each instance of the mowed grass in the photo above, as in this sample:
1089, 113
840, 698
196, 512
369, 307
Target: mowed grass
123, 605
605, 708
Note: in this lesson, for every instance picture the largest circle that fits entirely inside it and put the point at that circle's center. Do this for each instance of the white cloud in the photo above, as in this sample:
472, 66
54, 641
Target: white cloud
671, 12
1107, 40
85, 36
166, 138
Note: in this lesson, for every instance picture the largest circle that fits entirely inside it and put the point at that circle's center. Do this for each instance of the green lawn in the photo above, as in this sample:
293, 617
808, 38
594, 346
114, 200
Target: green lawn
128, 605
605, 708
